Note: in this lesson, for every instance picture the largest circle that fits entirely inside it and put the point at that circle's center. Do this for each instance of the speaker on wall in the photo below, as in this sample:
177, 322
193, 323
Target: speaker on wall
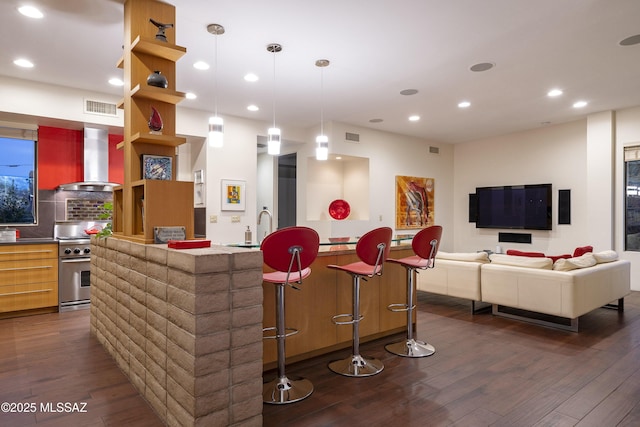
473, 207
514, 237
564, 206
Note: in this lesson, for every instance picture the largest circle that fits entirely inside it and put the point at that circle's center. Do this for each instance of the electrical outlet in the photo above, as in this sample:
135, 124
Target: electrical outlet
380, 218
235, 218
213, 218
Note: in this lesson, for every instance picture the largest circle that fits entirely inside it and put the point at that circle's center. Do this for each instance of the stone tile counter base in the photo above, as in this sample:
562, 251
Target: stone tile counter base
185, 326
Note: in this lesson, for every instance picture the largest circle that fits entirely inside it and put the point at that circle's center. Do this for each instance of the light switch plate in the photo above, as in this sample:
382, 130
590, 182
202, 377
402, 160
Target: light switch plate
235, 218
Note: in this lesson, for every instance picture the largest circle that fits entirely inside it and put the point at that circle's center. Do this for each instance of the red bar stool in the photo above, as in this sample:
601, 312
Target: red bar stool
425, 245
372, 250
290, 251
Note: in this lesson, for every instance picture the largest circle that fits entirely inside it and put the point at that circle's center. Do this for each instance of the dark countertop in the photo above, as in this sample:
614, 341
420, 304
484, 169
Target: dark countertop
31, 241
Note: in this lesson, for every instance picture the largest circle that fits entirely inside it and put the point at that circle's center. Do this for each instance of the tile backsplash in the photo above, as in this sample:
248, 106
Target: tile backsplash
84, 209
62, 206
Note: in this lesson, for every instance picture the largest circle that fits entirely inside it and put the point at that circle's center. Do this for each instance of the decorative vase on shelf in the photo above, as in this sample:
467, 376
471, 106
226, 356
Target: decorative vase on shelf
155, 121
157, 79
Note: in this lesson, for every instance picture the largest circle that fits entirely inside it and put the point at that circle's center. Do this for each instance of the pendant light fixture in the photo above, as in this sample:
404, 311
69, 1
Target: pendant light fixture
216, 124
322, 141
273, 134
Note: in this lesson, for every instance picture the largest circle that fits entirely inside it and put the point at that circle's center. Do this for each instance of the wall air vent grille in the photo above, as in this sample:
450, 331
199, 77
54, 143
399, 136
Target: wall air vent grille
434, 150
352, 137
99, 107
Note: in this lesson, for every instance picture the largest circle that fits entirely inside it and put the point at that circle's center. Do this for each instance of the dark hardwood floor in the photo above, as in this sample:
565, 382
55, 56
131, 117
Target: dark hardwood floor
51, 358
487, 371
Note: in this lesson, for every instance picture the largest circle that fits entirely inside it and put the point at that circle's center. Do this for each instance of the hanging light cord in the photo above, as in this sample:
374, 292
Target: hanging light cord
274, 87
215, 78
321, 100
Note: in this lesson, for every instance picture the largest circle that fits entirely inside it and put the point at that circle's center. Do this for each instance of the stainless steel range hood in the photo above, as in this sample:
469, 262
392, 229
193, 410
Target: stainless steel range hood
96, 163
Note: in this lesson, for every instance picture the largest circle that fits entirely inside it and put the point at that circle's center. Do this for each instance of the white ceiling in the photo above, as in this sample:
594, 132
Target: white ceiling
377, 48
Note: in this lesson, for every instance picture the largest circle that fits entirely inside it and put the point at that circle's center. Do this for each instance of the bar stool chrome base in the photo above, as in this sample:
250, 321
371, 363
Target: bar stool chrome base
410, 348
284, 390
357, 366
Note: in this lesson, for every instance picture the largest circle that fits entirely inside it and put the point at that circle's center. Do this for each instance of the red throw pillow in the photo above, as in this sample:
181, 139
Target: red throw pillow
554, 258
521, 253
582, 250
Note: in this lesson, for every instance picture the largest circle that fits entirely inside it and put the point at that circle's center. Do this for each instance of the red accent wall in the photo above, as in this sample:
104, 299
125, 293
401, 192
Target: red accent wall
116, 159
60, 157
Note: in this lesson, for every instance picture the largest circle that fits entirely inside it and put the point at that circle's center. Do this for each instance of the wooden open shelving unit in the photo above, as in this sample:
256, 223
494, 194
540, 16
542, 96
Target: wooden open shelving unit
141, 204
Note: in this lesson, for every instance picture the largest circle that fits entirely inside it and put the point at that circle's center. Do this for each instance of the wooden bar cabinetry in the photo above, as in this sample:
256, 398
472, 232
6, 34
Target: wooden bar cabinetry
327, 292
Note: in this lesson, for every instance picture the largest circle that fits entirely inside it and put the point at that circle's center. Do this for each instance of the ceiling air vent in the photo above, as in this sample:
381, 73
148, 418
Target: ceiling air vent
434, 150
353, 137
99, 107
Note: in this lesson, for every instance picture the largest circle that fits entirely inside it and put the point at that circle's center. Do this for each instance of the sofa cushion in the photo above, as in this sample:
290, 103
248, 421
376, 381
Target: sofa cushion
464, 256
605, 256
579, 251
522, 261
554, 258
516, 252
583, 261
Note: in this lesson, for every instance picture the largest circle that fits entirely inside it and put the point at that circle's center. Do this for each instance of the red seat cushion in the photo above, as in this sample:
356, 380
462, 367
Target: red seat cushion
522, 253
579, 251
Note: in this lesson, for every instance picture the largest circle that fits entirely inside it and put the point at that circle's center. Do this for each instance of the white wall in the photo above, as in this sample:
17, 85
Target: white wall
554, 154
22, 97
389, 155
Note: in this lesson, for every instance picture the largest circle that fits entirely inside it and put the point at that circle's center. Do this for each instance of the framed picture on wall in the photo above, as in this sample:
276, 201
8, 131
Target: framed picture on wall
233, 195
414, 202
157, 167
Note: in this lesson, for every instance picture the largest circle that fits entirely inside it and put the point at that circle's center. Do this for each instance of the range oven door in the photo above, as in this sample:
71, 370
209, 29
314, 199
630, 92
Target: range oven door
74, 287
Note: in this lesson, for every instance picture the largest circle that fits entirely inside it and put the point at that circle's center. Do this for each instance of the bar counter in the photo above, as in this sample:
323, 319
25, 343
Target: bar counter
185, 326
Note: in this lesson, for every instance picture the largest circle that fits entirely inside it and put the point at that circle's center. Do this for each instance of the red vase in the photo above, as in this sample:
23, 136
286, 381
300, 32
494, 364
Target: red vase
155, 121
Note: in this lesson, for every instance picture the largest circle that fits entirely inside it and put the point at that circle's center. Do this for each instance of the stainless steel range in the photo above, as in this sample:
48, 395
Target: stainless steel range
74, 256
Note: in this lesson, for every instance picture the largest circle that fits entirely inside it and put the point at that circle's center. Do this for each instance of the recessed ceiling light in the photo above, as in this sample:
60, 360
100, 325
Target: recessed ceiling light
30, 12
375, 121
579, 104
464, 104
630, 41
482, 66
201, 65
409, 92
190, 95
338, 158
24, 63
116, 82
251, 77
253, 108
554, 92
414, 118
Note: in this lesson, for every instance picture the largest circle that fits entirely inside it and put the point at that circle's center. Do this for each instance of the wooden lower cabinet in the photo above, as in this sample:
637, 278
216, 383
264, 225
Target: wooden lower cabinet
327, 292
28, 278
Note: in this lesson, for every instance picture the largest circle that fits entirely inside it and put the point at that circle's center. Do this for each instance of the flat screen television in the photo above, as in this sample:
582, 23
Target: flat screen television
526, 207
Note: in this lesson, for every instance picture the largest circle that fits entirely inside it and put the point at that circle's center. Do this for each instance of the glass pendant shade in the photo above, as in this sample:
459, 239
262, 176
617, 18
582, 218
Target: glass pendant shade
322, 147
216, 132
273, 141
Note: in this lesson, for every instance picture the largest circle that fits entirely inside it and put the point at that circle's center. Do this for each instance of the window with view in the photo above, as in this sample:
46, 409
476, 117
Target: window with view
632, 198
18, 183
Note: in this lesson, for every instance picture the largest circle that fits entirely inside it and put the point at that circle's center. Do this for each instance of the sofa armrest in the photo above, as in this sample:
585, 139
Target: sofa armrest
454, 278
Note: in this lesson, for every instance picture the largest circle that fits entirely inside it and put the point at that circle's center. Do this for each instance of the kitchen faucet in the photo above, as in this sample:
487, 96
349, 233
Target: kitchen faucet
268, 213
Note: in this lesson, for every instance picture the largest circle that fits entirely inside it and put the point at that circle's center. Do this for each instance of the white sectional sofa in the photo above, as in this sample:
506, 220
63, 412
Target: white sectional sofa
561, 292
